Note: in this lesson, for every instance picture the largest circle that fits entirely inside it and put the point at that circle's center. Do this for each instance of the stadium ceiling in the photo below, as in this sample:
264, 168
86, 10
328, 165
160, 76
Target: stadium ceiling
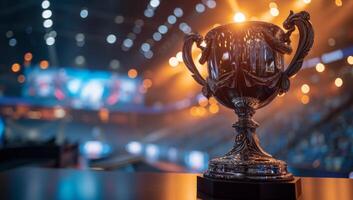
142, 34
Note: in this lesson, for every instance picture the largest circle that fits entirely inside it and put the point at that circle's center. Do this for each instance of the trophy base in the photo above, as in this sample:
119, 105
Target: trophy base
255, 168
209, 188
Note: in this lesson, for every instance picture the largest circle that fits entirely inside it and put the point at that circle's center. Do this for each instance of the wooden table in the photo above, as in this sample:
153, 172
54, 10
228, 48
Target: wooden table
40, 183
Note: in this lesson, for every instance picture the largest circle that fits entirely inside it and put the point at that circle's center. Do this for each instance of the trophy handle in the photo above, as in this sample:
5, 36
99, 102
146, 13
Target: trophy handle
189, 62
302, 21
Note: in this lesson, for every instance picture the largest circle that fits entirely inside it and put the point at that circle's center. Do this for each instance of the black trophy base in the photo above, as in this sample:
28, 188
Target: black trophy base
208, 188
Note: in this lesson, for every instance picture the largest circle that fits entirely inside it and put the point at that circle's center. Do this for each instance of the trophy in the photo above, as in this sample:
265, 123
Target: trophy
246, 72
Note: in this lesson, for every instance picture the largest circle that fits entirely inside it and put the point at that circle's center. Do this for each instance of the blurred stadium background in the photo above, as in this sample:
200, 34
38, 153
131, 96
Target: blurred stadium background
105, 79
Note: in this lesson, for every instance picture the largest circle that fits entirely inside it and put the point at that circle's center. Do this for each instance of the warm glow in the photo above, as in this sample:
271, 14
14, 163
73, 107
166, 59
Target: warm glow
307, 1
338, 82
201, 111
215, 25
16, 67
147, 83
132, 73
305, 88
193, 111
173, 62
338, 3
103, 114
44, 64
212, 100
320, 67
28, 56
179, 56
214, 108
21, 78
197, 111
239, 17
274, 12
272, 5
59, 112
203, 102
281, 95
305, 99
350, 60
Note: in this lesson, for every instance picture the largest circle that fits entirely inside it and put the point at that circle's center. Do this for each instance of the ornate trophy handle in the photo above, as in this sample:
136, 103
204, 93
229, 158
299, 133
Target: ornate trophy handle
189, 62
306, 40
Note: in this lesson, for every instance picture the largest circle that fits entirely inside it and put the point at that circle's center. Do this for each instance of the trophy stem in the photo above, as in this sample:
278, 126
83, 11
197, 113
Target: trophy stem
246, 144
247, 160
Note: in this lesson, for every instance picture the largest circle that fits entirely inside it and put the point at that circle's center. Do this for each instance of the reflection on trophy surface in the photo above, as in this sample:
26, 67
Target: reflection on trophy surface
246, 72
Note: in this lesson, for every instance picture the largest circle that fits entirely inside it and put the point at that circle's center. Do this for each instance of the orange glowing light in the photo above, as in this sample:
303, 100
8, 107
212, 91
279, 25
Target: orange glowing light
274, 12
147, 83
104, 114
44, 64
193, 111
239, 17
201, 111
212, 100
320, 67
338, 82
132, 73
16, 67
214, 108
21, 78
28, 56
272, 5
305, 88
338, 3
305, 99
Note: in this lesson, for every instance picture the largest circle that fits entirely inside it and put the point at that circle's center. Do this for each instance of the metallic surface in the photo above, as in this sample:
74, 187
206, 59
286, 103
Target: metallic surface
66, 184
245, 73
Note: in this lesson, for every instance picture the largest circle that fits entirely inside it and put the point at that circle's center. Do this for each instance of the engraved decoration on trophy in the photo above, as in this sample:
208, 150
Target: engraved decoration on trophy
246, 72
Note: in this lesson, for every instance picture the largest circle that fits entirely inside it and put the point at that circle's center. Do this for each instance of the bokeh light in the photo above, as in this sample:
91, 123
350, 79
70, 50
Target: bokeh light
28, 56
132, 73
16, 67
305, 88
214, 108
203, 101
305, 99
350, 60
274, 12
44, 64
21, 78
147, 83
320, 67
338, 82
239, 17
179, 56
173, 62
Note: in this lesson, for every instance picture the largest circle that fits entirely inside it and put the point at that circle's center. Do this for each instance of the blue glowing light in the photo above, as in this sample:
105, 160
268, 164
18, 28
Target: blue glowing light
95, 149
152, 152
134, 147
196, 160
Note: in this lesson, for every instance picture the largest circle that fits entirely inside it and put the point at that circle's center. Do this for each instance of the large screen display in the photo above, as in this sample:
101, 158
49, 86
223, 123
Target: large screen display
81, 89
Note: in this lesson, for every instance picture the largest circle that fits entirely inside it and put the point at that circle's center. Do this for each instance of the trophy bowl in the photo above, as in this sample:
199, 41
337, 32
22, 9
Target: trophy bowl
245, 64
